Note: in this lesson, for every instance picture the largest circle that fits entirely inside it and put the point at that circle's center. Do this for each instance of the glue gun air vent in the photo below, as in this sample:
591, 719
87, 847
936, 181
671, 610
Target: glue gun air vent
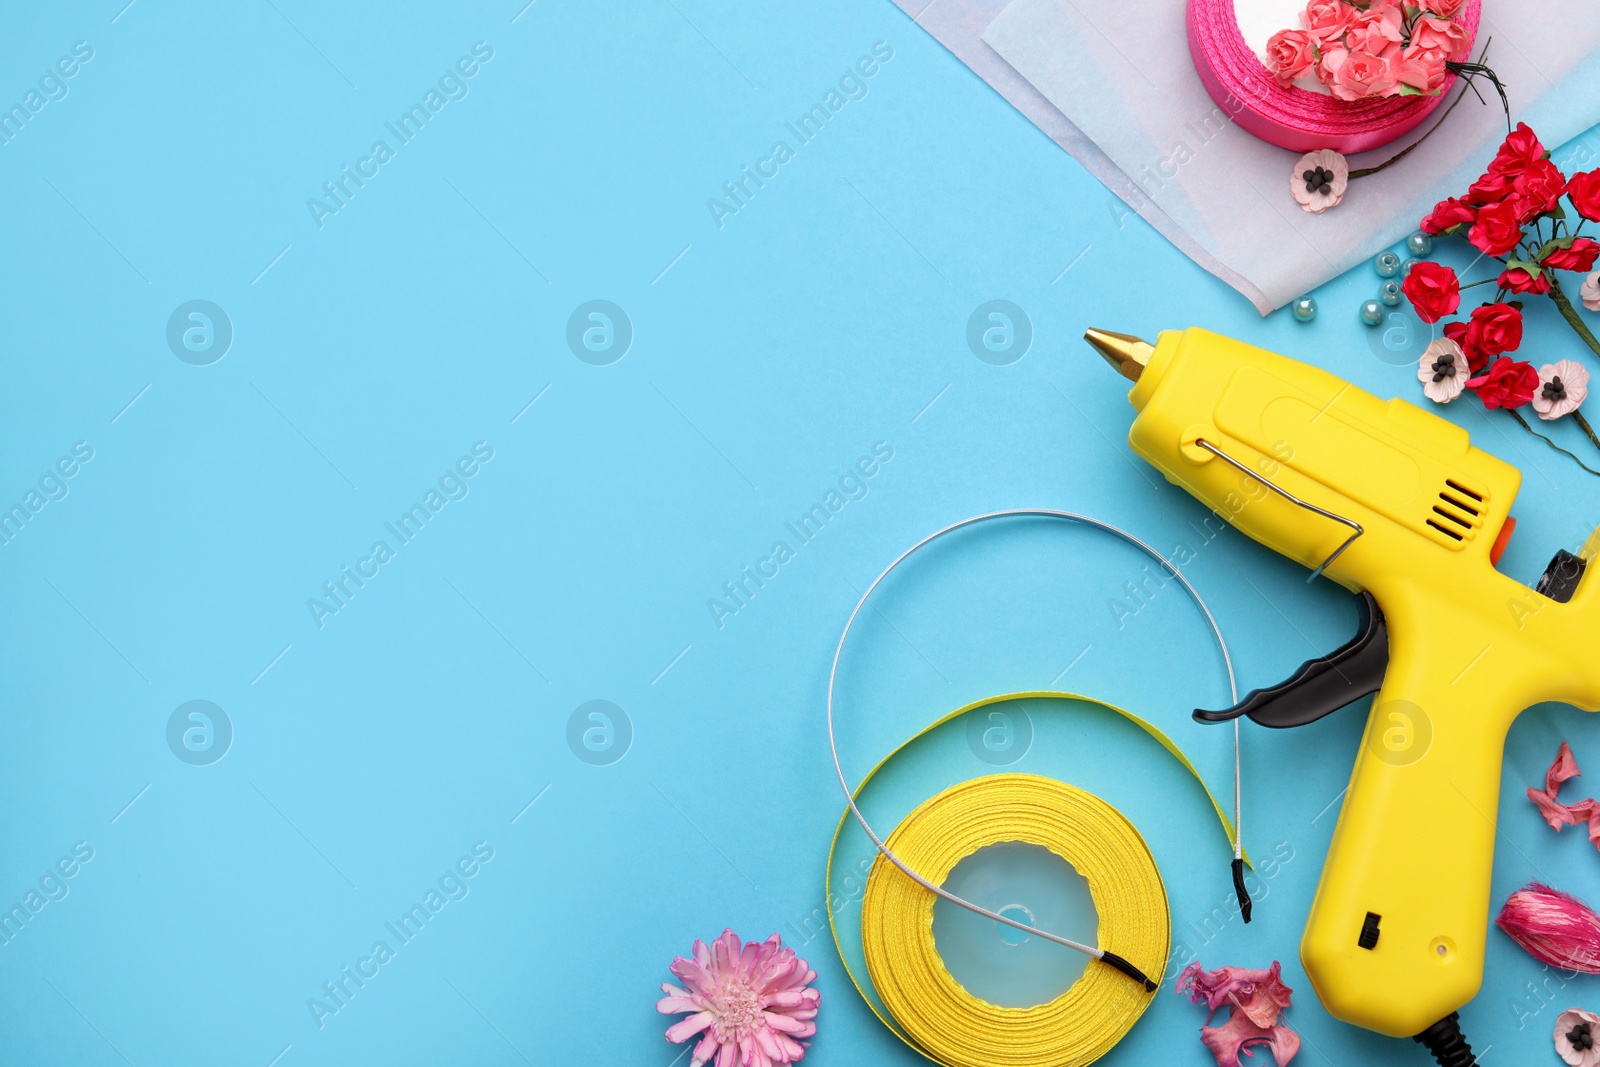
1457, 512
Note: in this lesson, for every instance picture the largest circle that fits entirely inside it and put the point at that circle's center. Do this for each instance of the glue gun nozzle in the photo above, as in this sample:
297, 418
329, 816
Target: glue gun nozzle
1123, 351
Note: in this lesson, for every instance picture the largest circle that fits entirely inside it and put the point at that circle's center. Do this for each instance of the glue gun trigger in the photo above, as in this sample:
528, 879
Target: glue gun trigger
1323, 685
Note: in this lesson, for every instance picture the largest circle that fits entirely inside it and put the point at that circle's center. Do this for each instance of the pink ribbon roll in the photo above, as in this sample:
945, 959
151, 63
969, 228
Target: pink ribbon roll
1289, 116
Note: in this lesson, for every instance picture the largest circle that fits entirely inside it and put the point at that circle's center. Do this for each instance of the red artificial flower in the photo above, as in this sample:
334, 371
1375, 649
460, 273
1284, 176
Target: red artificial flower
1495, 328
1579, 257
1584, 191
1499, 328
1520, 150
1433, 289
1493, 187
1518, 280
1466, 337
1539, 187
1449, 214
1508, 384
1497, 229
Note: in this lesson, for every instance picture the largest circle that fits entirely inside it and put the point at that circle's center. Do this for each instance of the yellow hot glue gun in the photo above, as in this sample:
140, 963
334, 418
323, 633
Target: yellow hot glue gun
1395, 504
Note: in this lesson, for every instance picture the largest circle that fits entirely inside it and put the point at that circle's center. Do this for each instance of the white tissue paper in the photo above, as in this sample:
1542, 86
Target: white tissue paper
1114, 85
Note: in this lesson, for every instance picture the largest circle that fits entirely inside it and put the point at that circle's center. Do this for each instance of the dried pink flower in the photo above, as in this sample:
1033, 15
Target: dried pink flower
1319, 180
1564, 767
1553, 927
1578, 1037
1562, 387
1558, 814
1255, 1000
750, 1002
1227, 1042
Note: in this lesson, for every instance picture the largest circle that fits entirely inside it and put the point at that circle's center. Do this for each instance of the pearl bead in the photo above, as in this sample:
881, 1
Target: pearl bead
1390, 293
1406, 265
1419, 244
1387, 264
1305, 309
1371, 312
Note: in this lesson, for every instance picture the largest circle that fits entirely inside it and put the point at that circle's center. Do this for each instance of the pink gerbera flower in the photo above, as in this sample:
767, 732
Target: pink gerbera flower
750, 1002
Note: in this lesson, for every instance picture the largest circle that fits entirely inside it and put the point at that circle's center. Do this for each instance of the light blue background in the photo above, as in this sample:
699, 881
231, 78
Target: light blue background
769, 354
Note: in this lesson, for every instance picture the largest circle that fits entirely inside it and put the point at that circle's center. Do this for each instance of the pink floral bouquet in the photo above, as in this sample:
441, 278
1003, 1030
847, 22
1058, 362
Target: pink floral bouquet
1372, 48
1367, 50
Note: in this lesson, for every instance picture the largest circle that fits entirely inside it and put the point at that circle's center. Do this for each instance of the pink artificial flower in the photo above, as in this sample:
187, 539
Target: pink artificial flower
1589, 291
1319, 180
1255, 1000
750, 1002
1326, 20
1291, 54
1443, 8
1441, 35
1328, 64
1563, 385
1375, 29
1443, 370
1422, 69
1578, 1037
1363, 74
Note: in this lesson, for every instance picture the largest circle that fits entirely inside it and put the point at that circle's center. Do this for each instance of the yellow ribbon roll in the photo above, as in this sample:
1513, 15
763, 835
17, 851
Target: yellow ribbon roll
926, 1006
954, 1027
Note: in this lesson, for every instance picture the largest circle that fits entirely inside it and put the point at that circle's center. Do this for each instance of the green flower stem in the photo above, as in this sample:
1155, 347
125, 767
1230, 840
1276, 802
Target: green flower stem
1392, 160
1515, 414
1584, 424
1574, 320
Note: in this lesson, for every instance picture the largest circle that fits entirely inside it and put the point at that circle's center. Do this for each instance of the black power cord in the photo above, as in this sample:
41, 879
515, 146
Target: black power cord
1448, 1045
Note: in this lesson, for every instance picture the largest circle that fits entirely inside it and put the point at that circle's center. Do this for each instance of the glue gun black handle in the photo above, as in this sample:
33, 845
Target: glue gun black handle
1323, 685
